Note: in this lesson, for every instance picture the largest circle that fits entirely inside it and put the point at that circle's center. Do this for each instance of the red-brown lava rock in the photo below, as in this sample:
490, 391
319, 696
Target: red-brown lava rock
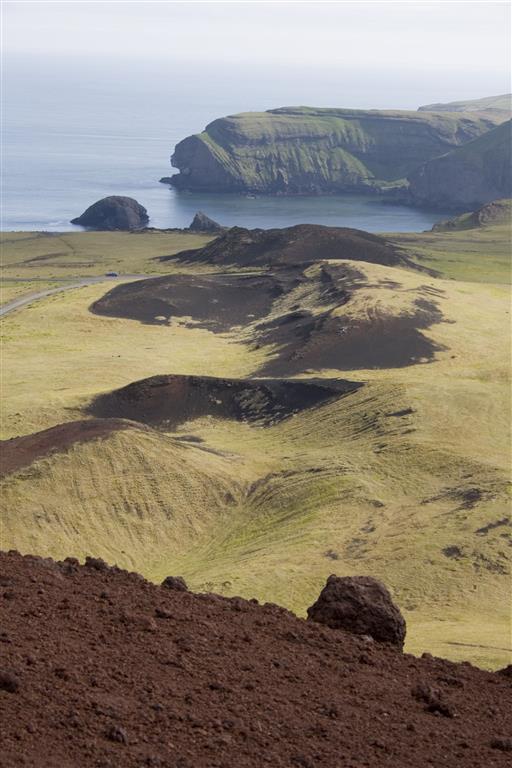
361, 605
219, 683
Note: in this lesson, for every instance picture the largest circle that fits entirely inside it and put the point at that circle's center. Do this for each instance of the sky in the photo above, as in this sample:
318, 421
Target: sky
424, 36
392, 53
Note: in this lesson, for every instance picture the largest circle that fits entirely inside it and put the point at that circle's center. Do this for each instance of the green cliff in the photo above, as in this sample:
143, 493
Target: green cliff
301, 150
471, 175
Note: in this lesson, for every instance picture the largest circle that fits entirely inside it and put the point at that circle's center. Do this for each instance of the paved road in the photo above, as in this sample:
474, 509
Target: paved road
29, 298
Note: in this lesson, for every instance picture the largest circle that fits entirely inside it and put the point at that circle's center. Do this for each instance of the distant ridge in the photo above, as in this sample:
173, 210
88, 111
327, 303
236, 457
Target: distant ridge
501, 103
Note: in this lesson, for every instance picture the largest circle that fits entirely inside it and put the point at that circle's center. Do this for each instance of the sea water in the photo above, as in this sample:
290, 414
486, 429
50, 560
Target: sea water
76, 131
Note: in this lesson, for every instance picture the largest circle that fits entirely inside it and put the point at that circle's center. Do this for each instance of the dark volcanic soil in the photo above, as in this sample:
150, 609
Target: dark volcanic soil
327, 341
171, 400
301, 244
217, 302
22, 451
100, 669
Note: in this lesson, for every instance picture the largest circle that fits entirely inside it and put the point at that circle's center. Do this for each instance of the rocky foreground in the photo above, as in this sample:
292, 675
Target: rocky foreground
101, 668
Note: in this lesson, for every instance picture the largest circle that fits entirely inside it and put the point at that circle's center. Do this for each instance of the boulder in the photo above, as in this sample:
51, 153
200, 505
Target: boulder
113, 213
177, 583
202, 223
360, 605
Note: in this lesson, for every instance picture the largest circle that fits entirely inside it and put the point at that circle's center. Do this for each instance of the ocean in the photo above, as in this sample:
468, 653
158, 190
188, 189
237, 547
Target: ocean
75, 131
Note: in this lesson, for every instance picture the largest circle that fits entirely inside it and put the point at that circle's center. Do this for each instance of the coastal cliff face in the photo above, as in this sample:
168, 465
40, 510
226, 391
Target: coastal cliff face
306, 150
468, 176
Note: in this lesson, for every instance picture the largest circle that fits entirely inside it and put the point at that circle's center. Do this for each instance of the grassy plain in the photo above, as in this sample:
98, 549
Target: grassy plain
68, 254
476, 255
270, 512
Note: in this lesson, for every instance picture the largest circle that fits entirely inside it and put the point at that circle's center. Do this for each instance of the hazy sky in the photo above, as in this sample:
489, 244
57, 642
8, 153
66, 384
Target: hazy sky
419, 36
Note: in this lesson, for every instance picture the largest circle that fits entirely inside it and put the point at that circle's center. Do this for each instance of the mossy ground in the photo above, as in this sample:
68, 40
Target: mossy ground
270, 512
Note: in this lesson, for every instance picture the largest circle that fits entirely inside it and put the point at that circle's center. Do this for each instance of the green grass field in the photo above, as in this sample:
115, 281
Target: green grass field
270, 512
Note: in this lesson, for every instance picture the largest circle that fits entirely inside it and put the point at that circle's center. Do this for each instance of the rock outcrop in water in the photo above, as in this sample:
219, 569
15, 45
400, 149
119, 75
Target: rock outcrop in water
113, 213
303, 150
202, 223
468, 176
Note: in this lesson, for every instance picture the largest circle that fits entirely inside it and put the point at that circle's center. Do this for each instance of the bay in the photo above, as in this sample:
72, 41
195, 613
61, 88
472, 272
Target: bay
75, 132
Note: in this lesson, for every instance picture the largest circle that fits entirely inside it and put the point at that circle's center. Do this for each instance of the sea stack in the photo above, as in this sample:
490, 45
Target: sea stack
114, 212
202, 223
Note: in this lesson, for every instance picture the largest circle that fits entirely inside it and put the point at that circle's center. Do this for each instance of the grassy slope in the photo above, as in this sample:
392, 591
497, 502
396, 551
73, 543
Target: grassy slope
479, 150
269, 537
476, 171
477, 255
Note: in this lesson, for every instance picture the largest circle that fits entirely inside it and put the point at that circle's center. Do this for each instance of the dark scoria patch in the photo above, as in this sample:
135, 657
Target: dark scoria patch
301, 244
217, 302
329, 340
19, 452
171, 400
110, 670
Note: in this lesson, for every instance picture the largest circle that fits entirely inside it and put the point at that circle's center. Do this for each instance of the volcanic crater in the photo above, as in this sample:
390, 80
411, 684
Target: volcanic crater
168, 401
